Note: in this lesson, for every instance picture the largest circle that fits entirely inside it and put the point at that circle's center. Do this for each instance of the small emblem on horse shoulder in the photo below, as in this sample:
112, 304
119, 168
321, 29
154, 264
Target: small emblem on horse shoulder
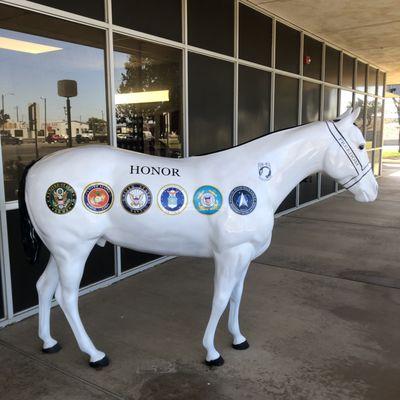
60, 198
136, 198
207, 200
242, 200
264, 171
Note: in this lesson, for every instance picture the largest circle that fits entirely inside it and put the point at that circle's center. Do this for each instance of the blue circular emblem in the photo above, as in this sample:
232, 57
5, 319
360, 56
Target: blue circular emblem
242, 200
172, 199
136, 198
207, 200
98, 197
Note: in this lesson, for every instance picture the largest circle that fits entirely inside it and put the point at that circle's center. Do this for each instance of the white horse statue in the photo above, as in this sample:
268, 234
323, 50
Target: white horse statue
219, 205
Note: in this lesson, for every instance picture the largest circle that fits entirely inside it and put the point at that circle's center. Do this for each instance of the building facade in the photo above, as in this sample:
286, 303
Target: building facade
171, 78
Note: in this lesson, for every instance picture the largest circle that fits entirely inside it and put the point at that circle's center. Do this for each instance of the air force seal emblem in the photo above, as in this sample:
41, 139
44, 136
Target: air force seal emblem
264, 171
172, 199
136, 198
60, 198
207, 200
242, 200
98, 197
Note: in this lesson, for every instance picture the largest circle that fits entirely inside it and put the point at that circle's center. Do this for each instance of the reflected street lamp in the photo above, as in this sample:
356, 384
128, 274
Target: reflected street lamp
68, 88
45, 115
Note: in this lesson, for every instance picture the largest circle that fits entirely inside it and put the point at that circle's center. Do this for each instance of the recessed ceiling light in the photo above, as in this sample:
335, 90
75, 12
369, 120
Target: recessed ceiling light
142, 97
25, 47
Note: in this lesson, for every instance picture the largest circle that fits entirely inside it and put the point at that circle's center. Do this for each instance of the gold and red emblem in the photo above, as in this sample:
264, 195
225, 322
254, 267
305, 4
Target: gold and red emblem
98, 197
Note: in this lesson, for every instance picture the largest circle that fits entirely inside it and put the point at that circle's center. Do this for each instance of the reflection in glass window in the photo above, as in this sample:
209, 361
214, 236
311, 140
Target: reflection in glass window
381, 82
312, 58
370, 121
287, 48
148, 97
311, 102
378, 124
361, 76
359, 101
346, 100
330, 103
332, 64
372, 72
286, 102
348, 71
34, 120
254, 104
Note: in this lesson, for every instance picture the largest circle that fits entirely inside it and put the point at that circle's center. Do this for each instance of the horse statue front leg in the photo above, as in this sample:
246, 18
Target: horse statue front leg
230, 268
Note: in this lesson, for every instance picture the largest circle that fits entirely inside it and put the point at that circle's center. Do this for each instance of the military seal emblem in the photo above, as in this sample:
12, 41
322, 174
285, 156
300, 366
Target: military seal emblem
98, 197
172, 199
207, 200
136, 198
264, 171
242, 200
60, 198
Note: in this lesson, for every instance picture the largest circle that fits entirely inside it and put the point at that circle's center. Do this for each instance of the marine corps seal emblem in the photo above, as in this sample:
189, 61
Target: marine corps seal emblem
60, 198
98, 197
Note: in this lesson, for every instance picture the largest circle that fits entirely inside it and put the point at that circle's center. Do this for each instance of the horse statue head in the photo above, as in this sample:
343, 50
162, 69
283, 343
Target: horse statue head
346, 159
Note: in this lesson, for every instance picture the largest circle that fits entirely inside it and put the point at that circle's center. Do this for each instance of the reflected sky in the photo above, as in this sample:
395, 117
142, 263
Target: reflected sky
30, 76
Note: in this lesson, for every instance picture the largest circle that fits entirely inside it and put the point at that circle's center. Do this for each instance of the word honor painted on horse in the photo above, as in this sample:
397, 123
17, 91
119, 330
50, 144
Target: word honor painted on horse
220, 205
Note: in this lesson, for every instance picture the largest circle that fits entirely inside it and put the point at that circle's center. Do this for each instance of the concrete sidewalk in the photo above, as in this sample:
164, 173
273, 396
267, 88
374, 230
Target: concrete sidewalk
321, 310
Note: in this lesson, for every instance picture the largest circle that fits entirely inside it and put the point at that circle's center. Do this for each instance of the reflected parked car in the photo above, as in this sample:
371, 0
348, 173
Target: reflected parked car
56, 139
6, 138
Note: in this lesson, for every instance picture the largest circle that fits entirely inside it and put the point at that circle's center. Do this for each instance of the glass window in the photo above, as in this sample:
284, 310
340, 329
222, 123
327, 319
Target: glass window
378, 124
99, 266
2, 313
372, 72
254, 103
286, 102
148, 97
328, 185
287, 48
131, 259
377, 162
332, 64
88, 8
160, 18
35, 122
255, 36
370, 121
311, 102
289, 202
330, 103
210, 104
381, 83
359, 101
308, 189
346, 100
312, 58
348, 71
361, 76
211, 25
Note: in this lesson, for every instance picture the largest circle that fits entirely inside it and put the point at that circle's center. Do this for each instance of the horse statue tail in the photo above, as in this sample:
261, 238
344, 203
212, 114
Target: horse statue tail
30, 239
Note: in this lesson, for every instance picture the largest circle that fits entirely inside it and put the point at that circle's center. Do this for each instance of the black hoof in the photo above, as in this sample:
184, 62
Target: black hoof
215, 363
55, 349
241, 346
101, 363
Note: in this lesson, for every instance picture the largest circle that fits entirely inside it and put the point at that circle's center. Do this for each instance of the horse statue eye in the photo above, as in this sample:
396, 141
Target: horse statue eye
361, 147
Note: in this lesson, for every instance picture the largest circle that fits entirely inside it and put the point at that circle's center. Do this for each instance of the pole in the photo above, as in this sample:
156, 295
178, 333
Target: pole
36, 132
3, 116
45, 117
16, 107
69, 122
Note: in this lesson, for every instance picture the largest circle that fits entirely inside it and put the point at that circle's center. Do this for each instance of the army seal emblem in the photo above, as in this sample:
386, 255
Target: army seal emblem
98, 197
172, 199
60, 198
242, 200
136, 198
207, 200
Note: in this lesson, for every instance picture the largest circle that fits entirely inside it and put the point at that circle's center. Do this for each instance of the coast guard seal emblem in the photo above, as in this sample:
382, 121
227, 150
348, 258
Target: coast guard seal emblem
264, 171
136, 198
60, 198
172, 199
98, 197
242, 200
207, 200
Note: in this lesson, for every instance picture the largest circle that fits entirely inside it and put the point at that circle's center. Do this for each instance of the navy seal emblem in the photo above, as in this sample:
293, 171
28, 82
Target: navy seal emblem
172, 199
60, 198
207, 200
98, 197
136, 198
242, 200
264, 171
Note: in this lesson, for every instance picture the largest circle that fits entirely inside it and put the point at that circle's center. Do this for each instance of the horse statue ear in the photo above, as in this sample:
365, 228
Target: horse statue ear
350, 118
345, 114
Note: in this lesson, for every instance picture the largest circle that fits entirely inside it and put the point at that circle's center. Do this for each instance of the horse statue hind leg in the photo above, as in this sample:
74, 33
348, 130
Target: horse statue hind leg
230, 270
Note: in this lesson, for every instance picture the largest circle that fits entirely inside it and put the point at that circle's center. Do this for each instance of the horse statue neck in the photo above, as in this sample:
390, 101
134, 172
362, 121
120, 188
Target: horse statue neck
293, 154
